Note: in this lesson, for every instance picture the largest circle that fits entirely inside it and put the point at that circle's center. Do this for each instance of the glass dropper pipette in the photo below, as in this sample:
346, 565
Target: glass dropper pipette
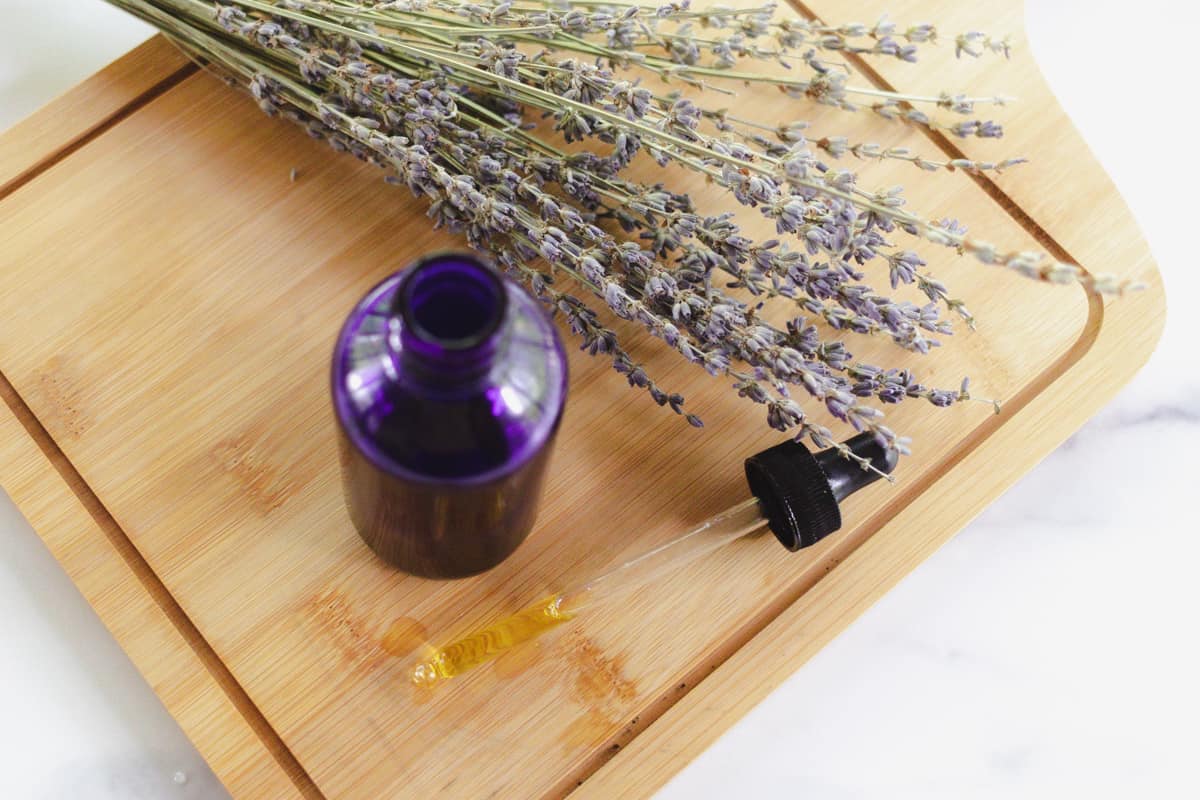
795, 493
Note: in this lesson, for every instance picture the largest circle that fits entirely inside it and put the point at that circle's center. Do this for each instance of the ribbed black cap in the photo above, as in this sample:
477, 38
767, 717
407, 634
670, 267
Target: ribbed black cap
800, 491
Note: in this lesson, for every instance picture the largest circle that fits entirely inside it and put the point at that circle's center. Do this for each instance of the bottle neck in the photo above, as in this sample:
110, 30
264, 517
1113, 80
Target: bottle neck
431, 367
446, 328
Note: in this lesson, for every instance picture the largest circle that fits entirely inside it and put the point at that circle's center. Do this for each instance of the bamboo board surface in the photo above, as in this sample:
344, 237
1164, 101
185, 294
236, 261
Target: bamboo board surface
168, 301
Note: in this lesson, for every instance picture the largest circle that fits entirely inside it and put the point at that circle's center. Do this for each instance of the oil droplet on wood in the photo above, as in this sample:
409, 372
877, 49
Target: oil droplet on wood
587, 731
403, 637
599, 679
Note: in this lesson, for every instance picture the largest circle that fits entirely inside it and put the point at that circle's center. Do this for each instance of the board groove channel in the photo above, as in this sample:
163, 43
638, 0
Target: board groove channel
166, 602
104, 521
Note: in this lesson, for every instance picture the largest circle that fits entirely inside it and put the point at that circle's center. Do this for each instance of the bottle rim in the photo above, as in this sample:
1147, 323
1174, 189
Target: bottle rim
450, 303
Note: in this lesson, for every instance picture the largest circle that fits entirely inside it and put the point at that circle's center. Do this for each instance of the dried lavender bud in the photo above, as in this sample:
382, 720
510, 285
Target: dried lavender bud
446, 108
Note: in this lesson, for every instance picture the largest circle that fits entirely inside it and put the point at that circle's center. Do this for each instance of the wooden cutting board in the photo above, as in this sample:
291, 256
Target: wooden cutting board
168, 302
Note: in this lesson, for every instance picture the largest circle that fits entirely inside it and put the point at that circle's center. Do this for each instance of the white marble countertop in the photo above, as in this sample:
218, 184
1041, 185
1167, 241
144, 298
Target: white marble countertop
1050, 650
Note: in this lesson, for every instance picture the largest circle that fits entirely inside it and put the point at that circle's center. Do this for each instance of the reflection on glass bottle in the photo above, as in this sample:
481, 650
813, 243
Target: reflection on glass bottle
448, 385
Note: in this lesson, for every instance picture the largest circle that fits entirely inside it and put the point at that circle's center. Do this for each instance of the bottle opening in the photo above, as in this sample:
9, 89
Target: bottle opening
453, 301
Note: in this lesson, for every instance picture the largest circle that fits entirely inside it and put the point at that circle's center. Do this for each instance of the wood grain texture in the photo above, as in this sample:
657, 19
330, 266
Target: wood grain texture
169, 300
83, 112
1117, 340
188, 677
176, 661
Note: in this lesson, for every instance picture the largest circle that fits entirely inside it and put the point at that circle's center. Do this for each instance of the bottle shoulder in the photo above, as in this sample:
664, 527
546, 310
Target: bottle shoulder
475, 432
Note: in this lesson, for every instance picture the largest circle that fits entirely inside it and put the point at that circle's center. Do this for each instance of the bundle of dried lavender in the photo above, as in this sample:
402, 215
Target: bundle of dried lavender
441, 93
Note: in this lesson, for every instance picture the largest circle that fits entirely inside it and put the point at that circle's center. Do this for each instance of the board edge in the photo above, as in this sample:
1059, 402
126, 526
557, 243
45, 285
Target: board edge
845, 571
1115, 333
96, 105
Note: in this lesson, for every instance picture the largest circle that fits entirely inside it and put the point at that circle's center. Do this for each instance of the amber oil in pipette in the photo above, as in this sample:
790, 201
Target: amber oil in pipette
486, 643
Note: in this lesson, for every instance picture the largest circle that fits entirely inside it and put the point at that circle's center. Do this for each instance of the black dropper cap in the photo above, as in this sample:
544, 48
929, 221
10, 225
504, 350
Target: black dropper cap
800, 492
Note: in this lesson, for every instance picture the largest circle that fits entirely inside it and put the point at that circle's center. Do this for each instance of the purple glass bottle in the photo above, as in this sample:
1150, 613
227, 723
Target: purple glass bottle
448, 385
